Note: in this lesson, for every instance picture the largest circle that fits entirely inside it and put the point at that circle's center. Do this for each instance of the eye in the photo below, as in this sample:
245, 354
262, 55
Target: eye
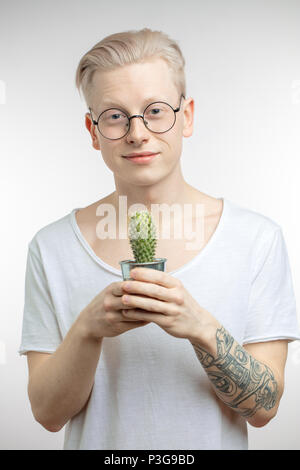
158, 110
155, 109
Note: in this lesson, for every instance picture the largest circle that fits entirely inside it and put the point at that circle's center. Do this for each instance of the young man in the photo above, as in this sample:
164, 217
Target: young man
196, 351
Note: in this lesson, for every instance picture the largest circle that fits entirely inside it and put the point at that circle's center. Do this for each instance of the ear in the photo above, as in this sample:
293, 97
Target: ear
188, 118
92, 130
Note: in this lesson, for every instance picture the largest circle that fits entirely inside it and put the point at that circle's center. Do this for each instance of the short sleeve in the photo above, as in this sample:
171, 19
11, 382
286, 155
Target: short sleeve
40, 330
272, 310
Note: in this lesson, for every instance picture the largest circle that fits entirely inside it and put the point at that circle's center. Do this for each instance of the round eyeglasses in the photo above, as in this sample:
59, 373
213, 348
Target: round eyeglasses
158, 117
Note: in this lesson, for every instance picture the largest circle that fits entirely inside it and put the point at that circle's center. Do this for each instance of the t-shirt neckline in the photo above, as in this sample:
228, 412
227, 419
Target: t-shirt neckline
118, 272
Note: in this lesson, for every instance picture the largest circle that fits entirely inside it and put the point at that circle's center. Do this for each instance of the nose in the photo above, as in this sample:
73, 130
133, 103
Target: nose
137, 128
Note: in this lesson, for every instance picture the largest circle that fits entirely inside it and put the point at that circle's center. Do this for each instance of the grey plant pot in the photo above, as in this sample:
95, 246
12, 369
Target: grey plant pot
128, 264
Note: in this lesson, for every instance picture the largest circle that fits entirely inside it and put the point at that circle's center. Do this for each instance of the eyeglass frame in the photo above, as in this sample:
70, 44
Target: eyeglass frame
137, 115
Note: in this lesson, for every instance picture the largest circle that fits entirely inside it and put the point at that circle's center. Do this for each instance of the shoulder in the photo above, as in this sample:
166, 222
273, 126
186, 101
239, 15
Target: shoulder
253, 234
249, 222
59, 233
51, 236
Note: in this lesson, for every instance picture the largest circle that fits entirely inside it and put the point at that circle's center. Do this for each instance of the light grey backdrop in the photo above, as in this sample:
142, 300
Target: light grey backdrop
243, 71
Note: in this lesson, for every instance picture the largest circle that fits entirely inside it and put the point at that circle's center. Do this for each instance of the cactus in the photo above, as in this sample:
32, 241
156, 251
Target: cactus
142, 236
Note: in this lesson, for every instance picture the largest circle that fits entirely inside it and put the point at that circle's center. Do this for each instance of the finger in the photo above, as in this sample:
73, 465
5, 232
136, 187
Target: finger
146, 303
155, 276
114, 303
150, 290
137, 314
136, 324
123, 318
117, 288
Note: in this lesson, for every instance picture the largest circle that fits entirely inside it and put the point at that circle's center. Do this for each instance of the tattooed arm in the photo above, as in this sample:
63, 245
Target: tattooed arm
243, 382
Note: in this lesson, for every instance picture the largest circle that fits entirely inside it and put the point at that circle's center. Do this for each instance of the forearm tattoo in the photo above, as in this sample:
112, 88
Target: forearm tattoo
241, 382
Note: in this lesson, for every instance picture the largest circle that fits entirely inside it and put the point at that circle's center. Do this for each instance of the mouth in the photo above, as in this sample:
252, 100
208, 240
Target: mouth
142, 158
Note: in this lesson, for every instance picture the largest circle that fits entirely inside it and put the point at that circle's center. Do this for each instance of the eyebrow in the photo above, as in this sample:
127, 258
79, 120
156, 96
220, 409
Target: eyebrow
151, 99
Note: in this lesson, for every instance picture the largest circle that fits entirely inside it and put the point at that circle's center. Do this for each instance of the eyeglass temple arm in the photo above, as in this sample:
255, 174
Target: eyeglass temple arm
177, 109
94, 122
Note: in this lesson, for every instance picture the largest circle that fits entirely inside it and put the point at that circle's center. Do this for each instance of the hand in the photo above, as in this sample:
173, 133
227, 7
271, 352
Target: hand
176, 311
103, 315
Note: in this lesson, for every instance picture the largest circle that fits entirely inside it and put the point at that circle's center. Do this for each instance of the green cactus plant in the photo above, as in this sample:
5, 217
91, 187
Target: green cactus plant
142, 236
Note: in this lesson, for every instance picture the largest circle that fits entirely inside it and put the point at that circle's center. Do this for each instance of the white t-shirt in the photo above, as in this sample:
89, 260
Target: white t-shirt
150, 390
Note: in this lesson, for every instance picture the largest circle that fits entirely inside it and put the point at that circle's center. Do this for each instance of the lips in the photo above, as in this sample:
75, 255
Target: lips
144, 154
142, 160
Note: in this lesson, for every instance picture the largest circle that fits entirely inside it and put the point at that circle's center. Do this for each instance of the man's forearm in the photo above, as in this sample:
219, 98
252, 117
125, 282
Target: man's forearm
61, 385
243, 383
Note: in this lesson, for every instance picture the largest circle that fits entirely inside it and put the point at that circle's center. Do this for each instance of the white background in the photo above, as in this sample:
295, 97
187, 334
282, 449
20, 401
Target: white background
243, 71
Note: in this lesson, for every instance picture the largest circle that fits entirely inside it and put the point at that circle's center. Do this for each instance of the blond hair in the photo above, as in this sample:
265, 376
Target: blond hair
130, 47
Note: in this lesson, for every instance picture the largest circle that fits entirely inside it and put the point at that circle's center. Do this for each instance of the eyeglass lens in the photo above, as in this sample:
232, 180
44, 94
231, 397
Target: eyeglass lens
113, 123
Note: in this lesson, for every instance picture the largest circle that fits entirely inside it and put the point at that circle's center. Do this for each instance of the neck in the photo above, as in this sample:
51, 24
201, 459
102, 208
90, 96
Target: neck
171, 190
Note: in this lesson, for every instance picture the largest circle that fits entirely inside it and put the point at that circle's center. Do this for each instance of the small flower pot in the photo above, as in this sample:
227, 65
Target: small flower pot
128, 264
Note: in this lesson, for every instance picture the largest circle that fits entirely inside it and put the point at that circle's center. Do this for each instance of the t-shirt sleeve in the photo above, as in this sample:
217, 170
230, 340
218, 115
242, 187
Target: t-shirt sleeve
40, 330
272, 310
